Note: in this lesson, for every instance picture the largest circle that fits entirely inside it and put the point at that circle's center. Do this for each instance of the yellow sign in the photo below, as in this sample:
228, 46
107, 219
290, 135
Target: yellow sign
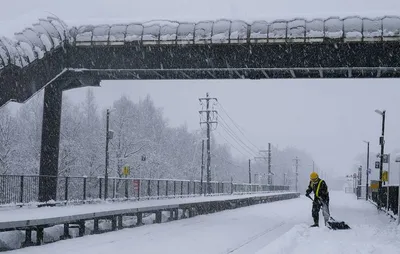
374, 185
126, 170
385, 176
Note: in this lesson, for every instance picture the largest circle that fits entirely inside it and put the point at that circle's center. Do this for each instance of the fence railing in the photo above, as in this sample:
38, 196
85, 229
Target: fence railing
22, 189
389, 200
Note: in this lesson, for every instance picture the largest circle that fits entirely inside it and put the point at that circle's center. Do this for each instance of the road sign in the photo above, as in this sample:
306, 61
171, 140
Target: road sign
126, 170
374, 186
386, 158
136, 185
377, 164
369, 171
385, 176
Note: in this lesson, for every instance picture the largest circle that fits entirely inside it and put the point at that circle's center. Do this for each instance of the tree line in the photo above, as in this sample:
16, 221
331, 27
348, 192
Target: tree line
140, 130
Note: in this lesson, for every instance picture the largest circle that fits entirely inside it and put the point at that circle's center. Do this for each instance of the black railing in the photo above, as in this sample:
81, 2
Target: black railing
390, 204
23, 189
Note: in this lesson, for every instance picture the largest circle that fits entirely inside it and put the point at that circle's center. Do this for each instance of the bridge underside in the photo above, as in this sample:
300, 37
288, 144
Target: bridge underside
88, 64
240, 73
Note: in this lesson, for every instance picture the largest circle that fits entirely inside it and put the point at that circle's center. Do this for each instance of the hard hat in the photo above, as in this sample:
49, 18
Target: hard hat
314, 176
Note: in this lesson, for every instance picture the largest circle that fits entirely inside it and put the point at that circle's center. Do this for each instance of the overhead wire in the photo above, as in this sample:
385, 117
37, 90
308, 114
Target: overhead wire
237, 126
229, 143
248, 151
235, 137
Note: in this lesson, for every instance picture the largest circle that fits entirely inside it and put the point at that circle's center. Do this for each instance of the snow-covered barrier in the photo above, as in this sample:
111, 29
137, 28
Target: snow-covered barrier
51, 33
390, 199
23, 190
45, 225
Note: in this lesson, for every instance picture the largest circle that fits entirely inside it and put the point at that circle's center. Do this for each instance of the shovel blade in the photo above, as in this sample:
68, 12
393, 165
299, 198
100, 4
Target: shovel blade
336, 225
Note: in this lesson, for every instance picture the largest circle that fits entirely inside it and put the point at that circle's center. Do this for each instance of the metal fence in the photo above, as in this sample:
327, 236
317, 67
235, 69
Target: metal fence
51, 33
22, 189
389, 200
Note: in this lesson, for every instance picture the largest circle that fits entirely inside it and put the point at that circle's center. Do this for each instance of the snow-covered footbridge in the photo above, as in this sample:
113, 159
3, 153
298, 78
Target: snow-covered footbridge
56, 57
278, 227
320, 48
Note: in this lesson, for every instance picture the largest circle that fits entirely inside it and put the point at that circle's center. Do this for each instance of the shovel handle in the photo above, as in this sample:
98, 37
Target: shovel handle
322, 203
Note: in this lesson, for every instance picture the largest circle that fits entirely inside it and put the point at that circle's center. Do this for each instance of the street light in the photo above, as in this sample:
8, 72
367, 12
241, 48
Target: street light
366, 184
382, 143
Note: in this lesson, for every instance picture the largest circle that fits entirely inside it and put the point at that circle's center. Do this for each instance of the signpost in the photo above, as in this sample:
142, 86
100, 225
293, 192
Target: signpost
385, 176
386, 159
126, 170
374, 186
398, 201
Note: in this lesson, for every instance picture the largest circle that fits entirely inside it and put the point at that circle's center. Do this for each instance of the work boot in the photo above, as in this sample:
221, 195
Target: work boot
314, 225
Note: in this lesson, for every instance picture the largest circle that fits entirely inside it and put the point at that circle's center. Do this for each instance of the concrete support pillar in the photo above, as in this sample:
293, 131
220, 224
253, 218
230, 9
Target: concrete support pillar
50, 142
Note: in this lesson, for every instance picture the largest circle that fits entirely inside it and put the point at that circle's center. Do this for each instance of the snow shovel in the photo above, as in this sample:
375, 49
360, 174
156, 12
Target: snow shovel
332, 223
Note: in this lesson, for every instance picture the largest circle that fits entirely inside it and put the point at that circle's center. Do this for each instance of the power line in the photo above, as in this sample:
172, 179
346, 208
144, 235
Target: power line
237, 126
231, 144
243, 148
234, 134
226, 161
237, 140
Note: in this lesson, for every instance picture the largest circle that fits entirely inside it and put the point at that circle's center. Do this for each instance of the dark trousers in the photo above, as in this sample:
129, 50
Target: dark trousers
317, 207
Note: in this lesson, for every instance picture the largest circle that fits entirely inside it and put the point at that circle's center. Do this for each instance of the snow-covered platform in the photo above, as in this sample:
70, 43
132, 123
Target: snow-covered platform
77, 217
280, 227
372, 231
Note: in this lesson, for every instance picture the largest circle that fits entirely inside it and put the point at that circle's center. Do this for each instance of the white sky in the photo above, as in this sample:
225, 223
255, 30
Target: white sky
327, 118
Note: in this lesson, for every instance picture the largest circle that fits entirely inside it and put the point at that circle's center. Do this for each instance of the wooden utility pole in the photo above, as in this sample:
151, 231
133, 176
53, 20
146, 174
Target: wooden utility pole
209, 121
250, 171
202, 167
297, 172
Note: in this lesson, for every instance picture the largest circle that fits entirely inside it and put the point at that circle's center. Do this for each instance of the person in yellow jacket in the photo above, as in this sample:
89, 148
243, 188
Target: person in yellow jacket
321, 198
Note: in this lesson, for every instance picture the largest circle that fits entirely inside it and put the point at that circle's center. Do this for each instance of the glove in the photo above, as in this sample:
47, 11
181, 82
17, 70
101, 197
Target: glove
308, 195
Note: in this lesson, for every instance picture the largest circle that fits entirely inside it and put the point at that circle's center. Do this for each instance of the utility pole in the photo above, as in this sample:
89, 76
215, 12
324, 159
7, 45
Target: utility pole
202, 167
266, 158
209, 123
284, 179
249, 171
297, 172
382, 143
359, 182
109, 135
269, 165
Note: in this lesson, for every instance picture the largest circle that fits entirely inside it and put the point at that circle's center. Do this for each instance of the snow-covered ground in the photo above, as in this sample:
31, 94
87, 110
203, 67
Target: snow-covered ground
280, 227
372, 232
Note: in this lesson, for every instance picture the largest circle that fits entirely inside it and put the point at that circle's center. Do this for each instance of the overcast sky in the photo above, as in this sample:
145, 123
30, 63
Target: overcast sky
327, 118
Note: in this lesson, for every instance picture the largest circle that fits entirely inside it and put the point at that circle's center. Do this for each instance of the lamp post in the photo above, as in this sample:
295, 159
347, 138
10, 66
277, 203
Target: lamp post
382, 143
367, 171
